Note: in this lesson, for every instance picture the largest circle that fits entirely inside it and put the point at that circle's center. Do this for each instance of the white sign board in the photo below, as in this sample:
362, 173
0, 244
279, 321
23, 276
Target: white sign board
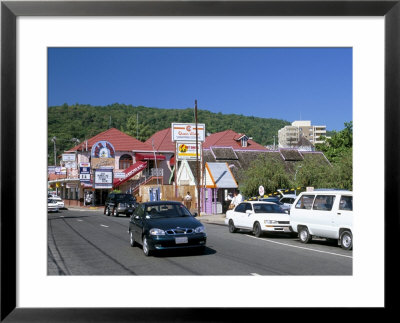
103, 178
70, 164
261, 190
68, 157
187, 150
187, 132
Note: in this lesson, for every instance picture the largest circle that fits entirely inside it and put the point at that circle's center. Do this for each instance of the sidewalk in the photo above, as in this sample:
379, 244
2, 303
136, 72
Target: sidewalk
205, 218
212, 218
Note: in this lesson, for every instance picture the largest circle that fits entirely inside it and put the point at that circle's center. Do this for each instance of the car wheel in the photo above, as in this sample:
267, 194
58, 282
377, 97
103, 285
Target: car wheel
132, 239
346, 240
146, 250
115, 212
257, 229
304, 235
232, 228
108, 211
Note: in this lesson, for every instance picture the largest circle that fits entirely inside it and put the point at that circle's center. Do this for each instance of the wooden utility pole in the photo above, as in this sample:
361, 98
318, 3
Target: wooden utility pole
197, 160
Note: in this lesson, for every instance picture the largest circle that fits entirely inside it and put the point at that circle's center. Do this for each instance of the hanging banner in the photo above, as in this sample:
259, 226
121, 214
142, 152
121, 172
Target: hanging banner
187, 132
187, 150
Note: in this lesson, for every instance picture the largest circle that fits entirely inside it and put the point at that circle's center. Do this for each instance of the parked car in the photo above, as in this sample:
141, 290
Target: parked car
118, 203
59, 201
52, 205
287, 200
259, 217
164, 225
276, 200
326, 214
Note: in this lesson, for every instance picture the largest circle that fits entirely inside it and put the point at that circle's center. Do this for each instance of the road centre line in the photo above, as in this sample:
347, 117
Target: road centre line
106, 226
288, 245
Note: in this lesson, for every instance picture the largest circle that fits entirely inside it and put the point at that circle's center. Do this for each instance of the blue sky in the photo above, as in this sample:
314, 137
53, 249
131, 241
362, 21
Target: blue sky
284, 83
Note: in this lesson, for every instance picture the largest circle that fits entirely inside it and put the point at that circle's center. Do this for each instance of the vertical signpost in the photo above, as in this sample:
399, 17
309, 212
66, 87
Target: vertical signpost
190, 135
197, 160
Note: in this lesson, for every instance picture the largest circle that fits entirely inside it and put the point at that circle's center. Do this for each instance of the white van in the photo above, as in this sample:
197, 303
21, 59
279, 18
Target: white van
326, 214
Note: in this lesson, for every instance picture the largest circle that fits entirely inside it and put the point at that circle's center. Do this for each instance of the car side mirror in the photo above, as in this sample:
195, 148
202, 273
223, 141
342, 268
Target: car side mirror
195, 214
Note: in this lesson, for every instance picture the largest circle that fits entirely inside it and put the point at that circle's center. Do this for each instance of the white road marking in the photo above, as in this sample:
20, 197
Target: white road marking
61, 216
288, 245
106, 226
255, 274
79, 220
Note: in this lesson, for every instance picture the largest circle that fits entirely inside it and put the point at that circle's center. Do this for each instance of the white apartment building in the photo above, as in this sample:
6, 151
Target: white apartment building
289, 136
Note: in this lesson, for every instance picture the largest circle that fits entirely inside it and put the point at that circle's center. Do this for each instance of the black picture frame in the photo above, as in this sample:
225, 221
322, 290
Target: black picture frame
10, 10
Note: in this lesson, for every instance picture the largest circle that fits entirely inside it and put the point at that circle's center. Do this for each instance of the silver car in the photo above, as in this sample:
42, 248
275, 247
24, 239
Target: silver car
52, 205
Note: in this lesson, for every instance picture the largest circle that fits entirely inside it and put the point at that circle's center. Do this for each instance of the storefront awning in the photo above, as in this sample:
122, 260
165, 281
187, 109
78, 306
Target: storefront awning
218, 175
130, 172
149, 157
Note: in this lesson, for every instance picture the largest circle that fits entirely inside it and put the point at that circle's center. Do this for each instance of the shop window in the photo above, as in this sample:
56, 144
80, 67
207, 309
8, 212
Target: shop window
125, 161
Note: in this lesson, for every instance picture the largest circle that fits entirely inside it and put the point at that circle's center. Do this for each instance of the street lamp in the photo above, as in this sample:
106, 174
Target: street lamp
75, 140
55, 153
295, 175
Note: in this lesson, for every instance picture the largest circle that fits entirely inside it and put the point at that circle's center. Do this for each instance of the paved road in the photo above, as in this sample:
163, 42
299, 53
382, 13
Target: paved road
86, 242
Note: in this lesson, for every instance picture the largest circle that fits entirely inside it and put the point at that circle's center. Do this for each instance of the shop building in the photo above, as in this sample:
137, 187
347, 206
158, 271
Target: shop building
133, 163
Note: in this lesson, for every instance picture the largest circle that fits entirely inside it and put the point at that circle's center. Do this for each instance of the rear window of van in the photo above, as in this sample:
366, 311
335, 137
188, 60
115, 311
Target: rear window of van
346, 203
305, 202
323, 202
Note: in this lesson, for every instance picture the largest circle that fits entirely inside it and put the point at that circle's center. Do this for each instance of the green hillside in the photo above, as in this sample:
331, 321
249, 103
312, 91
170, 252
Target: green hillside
84, 121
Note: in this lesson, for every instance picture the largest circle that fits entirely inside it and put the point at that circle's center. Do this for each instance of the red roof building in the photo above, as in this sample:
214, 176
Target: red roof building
162, 141
121, 142
230, 138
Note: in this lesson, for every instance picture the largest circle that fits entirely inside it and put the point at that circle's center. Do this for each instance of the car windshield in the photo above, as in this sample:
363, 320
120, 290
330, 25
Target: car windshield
166, 210
50, 201
124, 198
267, 208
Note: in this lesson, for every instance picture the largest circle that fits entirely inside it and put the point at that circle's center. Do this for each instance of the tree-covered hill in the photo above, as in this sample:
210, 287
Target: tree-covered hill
84, 121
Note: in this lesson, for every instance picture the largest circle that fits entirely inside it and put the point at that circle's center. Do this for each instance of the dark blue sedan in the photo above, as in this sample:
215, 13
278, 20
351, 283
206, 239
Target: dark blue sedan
165, 225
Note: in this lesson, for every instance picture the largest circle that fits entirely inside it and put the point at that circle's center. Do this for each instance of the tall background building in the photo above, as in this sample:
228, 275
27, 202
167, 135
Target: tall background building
291, 136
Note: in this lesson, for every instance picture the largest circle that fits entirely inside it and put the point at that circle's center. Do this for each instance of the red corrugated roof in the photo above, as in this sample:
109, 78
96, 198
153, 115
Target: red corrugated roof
229, 138
162, 141
121, 141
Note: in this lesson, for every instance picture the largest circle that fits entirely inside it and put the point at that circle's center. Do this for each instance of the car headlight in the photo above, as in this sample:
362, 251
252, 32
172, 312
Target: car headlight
200, 230
157, 232
270, 222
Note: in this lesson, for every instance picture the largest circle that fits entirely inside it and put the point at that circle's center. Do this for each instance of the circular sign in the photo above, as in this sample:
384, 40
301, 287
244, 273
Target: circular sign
261, 190
103, 149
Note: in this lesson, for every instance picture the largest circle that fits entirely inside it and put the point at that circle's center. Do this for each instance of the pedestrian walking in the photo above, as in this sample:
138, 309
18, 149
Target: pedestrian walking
188, 200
